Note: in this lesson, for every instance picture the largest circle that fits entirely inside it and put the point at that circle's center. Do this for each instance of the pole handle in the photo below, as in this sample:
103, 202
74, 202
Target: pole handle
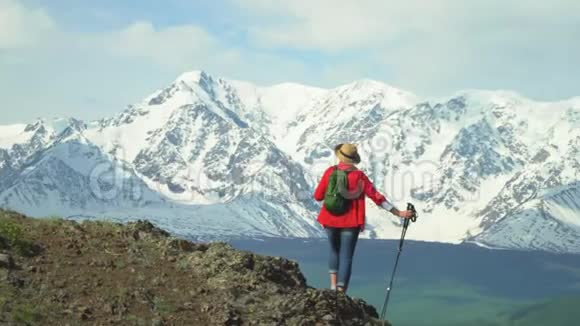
411, 207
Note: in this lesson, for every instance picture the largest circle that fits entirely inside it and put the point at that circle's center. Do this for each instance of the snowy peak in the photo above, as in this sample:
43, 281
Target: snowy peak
54, 126
199, 89
284, 101
365, 88
14, 134
496, 97
20, 143
194, 76
74, 177
40, 131
272, 109
356, 112
367, 91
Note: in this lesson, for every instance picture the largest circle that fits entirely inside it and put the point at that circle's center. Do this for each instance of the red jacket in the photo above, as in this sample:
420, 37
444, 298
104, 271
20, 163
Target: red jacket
355, 216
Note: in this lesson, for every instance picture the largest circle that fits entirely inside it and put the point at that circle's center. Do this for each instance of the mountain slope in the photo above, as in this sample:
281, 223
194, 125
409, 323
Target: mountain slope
539, 207
180, 151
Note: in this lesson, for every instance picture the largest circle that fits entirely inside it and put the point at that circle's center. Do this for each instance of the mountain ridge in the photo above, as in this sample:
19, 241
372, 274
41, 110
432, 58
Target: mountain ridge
206, 141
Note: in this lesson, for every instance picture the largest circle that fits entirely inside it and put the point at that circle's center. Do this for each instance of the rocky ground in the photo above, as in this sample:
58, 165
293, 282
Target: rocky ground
58, 272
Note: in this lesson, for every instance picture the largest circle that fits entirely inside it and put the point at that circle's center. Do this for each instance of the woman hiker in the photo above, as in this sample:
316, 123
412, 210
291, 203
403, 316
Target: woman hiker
343, 230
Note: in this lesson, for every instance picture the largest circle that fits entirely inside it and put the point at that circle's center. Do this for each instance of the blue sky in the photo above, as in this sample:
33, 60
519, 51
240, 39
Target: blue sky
90, 59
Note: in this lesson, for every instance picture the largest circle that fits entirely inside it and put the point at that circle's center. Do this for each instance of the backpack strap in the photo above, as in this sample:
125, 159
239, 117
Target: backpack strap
352, 168
347, 171
334, 169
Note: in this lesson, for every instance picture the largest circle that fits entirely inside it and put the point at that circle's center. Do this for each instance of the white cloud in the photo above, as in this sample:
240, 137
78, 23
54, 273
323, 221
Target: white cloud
334, 25
187, 47
22, 27
330, 25
93, 74
431, 47
427, 47
171, 46
322, 24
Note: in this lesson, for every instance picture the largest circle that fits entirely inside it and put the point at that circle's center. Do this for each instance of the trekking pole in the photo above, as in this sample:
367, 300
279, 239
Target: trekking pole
410, 207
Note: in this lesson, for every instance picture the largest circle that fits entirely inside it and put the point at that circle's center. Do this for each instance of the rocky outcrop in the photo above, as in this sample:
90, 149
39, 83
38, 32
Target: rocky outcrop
136, 274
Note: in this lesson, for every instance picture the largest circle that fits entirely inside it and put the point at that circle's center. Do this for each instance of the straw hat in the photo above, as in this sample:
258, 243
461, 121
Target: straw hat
347, 153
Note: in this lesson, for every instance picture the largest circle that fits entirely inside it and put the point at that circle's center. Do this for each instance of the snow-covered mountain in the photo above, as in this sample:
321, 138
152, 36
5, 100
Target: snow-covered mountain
208, 157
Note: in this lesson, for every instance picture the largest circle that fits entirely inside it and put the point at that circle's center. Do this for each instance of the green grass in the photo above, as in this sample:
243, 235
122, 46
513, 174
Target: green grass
452, 303
26, 315
134, 320
54, 218
163, 307
12, 236
456, 304
184, 264
563, 311
447, 303
562, 268
7, 293
10, 231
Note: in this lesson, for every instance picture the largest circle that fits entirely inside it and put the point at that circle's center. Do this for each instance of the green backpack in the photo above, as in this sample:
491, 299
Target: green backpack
334, 201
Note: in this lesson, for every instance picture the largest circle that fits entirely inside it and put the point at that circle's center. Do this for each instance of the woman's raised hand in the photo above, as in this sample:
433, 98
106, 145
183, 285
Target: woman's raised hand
404, 214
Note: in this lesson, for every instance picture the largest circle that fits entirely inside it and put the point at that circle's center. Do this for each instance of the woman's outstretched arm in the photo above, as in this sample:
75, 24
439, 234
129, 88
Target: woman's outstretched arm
381, 200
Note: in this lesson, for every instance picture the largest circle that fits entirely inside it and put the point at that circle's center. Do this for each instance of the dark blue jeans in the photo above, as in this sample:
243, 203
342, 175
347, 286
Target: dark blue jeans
342, 244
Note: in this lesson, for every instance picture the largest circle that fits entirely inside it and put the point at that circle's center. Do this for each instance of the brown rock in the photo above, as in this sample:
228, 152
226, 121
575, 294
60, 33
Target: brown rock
31, 269
85, 313
6, 261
